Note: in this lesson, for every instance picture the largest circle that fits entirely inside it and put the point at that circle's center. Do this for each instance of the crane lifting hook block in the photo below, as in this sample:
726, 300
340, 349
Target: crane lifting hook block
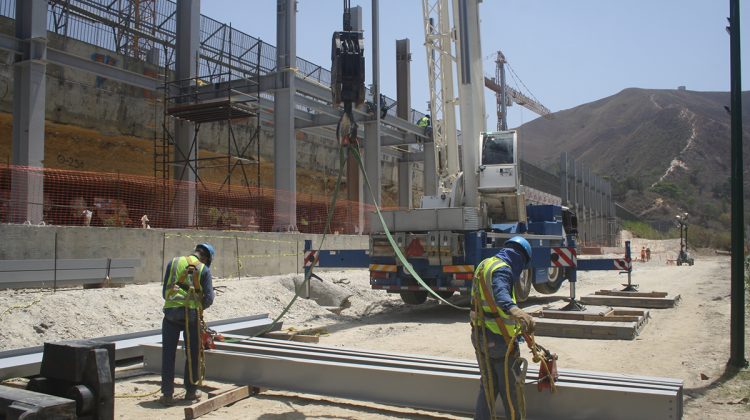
348, 68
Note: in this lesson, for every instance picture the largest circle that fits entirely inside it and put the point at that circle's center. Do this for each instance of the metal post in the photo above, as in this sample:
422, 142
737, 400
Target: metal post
354, 182
403, 108
737, 325
54, 270
186, 151
29, 96
372, 129
285, 144
564, 199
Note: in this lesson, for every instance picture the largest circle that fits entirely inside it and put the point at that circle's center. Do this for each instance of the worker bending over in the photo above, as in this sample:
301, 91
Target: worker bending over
497, 321
187, 291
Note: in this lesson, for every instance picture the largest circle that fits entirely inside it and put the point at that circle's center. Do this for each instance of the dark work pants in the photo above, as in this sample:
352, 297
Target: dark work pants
496, 353
171, 325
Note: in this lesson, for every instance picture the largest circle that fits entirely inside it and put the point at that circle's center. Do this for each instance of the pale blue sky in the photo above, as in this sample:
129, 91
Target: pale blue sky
566, 52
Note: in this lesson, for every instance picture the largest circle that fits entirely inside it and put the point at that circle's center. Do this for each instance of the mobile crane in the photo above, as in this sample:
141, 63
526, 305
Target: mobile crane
474, 210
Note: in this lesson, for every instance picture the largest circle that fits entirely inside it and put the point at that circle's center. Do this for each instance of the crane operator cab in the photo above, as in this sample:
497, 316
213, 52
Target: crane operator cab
498, 170
499, 183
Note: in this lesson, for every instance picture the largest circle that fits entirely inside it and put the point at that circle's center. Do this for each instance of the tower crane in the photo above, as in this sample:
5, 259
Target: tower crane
506, 95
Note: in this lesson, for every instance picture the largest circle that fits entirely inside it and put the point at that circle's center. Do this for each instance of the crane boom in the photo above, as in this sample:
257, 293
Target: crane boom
440, 59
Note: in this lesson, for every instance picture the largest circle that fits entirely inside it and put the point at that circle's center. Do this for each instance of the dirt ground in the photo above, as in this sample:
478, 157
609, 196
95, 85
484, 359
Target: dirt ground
688, 342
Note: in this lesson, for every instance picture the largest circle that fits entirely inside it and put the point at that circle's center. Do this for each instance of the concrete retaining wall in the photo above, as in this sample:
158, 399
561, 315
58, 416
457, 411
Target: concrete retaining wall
238, 253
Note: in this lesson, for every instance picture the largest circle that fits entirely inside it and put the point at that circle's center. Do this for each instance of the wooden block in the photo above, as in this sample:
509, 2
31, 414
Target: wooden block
211, 404
587, 329
638, 302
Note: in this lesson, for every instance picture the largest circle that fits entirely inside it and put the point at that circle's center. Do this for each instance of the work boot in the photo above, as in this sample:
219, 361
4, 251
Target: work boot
194, 395
166, 400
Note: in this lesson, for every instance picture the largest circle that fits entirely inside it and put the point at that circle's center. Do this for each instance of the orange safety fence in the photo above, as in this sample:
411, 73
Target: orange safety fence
79, 198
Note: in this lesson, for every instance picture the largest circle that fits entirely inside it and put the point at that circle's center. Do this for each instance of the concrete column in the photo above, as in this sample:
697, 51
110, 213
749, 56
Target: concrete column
186, 151
29, 89
372, 129
403, 107
285, 144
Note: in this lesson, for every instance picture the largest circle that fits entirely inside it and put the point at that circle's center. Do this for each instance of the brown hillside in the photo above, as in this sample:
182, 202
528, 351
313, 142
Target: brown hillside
664, 150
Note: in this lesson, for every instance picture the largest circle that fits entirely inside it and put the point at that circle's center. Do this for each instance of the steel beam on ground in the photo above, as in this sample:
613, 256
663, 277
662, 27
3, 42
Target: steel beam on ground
26, 361
422, 384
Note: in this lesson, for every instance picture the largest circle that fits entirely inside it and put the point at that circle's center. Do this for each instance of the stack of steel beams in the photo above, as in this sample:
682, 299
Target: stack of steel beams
26, 361
426, 382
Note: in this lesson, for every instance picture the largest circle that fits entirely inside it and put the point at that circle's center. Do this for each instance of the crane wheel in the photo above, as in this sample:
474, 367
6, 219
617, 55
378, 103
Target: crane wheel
414, 297
555, 279
522, 286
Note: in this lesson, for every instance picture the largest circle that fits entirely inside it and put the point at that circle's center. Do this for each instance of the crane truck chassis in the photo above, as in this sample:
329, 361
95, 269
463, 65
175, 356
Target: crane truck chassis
445, 259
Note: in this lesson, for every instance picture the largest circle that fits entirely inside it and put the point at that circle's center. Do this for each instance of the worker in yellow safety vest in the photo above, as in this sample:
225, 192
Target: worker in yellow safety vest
496, 323
187, 290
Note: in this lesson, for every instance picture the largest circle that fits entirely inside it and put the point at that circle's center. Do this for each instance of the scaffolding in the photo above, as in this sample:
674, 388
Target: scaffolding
216, 98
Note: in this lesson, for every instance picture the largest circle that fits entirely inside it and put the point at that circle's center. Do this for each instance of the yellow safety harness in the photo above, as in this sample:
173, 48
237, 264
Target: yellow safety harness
479, 329
192, 298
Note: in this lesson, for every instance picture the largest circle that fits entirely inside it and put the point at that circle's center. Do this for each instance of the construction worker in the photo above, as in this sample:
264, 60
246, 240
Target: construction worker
187, 290
496, 324
426, 124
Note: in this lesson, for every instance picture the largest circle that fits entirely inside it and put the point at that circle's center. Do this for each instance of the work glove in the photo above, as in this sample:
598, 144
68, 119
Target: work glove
526, 320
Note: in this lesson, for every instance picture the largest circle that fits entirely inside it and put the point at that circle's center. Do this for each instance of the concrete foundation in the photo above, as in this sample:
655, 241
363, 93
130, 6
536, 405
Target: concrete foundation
237, 253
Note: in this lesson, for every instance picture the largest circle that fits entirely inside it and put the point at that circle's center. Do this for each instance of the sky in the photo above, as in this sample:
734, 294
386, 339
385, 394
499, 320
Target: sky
566, 53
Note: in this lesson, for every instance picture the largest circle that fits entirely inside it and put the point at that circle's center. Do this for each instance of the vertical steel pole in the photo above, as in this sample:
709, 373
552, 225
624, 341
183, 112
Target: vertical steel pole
285, 143
737, 327
187, 46
372, 129
403, 108
29, 96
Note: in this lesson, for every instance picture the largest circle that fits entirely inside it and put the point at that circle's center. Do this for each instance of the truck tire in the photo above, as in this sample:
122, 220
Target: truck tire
522, 286
555, 279
414, 297
445, 294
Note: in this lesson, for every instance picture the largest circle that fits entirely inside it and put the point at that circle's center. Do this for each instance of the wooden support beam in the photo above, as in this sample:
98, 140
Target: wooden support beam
631, 294
221, 400
637, 302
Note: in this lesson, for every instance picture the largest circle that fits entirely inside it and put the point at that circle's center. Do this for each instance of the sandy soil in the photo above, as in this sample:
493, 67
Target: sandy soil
689, 342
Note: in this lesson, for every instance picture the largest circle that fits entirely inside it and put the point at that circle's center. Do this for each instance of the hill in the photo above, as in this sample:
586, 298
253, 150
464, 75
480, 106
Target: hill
665, 151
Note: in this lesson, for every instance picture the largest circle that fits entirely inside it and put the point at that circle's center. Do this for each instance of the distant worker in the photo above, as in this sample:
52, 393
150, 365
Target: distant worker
496, 323
643, 254
425, 121
648, 254
87, 214
187, 290
144, 222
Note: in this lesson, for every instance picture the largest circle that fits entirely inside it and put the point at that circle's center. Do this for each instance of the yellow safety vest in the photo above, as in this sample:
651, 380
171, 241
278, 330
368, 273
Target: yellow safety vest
483, 273
184, 289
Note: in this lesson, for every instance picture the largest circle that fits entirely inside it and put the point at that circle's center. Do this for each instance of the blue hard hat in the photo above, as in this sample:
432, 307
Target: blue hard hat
524, 245
211, 251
